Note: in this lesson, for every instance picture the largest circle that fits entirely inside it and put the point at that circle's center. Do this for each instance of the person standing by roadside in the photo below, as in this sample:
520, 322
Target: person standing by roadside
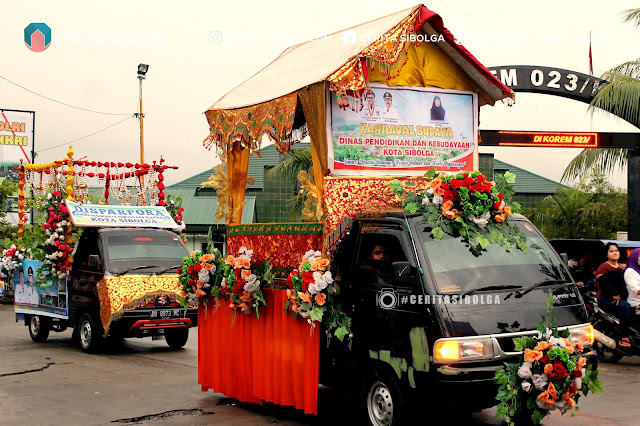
612, 292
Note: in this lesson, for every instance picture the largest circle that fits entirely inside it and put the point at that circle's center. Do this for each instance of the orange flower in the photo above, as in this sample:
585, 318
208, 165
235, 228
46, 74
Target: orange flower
294, 308
571, 402
450, 214
532, 356
230, 260
446, 205
289, 293
200, 293
245, 273
199, 284
500, 217
542, 346
246, 263
552, 392
244, 306
321, 298
233, 305
435, 183
566, 396
581, 362
315, 265
305, 297
246, 296
544, 397
205, 257
439, 190
208, 266
548, 368
324, 263
507, 210
579, 347
569, 345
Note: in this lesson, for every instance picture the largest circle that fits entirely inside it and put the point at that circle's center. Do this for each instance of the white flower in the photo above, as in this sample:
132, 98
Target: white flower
314, 288
251, 278
541, 404
557, 342
526, 386
182, 226
560, 404
249, 253
49, 196
327, 277
309, 253
252, 287
203, 276
213, 269
578, 382
425, 201
437, 199
430, 191
317, 254
243, 249
525, 370
206, 285
539, 381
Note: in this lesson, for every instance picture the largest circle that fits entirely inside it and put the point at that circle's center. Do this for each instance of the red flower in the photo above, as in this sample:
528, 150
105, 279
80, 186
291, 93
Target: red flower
307, 277
445, 186
467, 181
197, 267
238, 289
559, 372
448, 196
192, 282
190, 270
456, 183
573, 389
500, 196
304, 286
481, 178
179, 271
237, 272
576, 374
545, 359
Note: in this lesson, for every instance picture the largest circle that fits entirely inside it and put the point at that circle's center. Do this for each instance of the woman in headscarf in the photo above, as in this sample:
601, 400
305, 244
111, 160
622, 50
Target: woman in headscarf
437, 112
612, 292
632, 279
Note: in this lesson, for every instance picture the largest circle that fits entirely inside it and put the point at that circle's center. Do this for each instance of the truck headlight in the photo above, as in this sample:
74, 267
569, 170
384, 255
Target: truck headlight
583, 334
447, 350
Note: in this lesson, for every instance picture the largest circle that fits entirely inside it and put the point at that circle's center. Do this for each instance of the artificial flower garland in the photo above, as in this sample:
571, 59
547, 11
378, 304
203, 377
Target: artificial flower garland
10, 261
57, 252
311, 294
467, 205
241, 285
200, 277
550, 375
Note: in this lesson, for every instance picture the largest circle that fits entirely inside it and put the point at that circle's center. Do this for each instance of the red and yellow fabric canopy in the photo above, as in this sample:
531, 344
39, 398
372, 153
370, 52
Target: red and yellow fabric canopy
290, 92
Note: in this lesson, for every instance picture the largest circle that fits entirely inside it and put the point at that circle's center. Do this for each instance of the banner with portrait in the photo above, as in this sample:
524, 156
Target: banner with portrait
404, 131
38, 295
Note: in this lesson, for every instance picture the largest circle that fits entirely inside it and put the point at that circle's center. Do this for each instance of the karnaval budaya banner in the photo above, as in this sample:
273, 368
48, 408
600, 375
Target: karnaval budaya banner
16, 141
404, 131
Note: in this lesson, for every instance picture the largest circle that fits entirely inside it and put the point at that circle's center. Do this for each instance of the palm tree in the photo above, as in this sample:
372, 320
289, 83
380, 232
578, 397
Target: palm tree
621, 97
287, 170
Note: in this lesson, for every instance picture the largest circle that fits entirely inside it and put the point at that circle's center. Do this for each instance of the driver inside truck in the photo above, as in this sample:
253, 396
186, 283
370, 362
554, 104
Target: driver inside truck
378, 264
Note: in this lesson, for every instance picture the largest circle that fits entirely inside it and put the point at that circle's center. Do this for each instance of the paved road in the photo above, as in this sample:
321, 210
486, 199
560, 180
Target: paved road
143, 382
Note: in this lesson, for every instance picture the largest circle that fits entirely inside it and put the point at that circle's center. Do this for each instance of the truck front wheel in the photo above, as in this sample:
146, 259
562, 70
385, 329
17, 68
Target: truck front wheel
382, 400
90, 333
176, 337
39, 328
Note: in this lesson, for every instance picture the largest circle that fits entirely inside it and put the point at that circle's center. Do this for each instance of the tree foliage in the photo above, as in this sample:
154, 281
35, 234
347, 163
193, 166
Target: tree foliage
593, 208
620, 97
287, 170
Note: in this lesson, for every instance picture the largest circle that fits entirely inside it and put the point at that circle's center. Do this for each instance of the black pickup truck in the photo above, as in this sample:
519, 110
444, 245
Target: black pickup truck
109, 252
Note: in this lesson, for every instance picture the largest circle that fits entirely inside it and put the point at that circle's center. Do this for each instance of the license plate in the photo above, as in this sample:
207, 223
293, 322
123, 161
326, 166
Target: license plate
166, 313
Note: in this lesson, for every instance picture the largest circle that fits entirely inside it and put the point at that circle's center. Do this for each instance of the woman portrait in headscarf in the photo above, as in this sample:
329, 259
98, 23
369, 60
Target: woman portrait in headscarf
437, 112
632, 279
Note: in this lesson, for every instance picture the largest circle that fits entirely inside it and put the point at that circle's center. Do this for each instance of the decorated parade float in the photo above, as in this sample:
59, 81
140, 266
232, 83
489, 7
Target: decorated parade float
103, 269
391, 108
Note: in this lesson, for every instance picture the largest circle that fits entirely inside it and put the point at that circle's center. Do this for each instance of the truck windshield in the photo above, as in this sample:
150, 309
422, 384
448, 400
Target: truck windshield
457, 270
144, 253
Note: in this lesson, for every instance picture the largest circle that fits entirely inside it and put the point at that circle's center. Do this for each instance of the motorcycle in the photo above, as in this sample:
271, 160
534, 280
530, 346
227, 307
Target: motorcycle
608, 334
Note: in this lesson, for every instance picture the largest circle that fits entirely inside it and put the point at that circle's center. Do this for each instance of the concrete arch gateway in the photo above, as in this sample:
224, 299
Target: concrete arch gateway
579, 87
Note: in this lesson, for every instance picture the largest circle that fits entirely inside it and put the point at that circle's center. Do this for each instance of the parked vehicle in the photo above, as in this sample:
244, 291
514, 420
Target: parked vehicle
434, 320
139, 253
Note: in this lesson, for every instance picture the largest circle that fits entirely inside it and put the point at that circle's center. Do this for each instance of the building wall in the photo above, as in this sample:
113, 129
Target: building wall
275, 202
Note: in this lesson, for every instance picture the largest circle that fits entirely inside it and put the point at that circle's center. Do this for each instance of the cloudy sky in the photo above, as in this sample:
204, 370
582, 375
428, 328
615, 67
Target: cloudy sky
198, 51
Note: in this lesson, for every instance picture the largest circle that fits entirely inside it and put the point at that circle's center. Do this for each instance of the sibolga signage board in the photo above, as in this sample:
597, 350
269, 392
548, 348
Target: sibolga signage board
96, 215
404, 131
34, 294
16, 141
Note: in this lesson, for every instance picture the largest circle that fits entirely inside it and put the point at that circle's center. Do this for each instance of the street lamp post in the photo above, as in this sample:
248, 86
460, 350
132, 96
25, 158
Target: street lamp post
142, 71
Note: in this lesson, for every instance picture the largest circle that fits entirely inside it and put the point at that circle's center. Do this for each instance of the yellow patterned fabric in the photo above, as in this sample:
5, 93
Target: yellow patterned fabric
127, 292
247, 125
351, 196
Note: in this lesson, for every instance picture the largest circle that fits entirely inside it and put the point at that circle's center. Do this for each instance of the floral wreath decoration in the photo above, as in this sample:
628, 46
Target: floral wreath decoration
241, 286
200, 278
550, 375
58, 247
311, 293
10, 260
468, 205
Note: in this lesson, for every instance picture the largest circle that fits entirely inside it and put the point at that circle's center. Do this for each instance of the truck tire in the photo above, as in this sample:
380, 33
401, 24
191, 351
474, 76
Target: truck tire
382, 400
90, 333
176, 337
39, 328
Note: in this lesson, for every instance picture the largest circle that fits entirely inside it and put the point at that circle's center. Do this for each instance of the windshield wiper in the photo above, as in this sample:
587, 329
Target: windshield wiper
519, 294
490, 287
135, 268
169, 268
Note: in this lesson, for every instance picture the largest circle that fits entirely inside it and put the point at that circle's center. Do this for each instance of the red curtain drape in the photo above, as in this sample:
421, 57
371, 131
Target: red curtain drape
274, 359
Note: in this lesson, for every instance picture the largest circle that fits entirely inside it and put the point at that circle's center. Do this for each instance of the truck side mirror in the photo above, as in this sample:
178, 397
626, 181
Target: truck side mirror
94, 261
401, 272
